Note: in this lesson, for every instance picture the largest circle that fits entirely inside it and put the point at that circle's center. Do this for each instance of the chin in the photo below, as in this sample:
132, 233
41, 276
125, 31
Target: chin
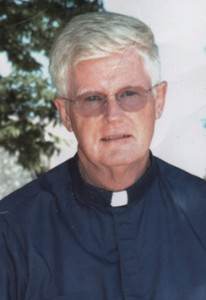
119, 160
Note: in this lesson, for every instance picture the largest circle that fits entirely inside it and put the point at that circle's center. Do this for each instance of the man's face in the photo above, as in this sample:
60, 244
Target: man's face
115, 137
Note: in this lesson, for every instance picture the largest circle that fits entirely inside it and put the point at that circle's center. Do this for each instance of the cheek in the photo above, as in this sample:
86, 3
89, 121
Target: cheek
86, 131
144, 125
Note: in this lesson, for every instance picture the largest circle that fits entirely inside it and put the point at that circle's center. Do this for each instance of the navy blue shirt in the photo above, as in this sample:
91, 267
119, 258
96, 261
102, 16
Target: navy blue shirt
60, 238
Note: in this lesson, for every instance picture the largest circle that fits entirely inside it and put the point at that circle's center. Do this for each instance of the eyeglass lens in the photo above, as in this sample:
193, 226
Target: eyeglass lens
130, 99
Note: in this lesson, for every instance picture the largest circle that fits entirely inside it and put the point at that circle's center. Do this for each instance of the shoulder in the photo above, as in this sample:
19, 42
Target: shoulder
184, 187
187, 192
179, 179
47, 189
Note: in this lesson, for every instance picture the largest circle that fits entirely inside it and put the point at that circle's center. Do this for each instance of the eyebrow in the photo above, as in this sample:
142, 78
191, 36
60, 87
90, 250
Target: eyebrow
85, 92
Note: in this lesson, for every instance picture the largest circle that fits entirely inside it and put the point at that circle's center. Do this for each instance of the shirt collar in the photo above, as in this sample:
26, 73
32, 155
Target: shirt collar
90, 195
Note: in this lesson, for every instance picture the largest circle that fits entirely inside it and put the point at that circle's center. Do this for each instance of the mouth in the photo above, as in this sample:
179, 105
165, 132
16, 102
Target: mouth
111, 138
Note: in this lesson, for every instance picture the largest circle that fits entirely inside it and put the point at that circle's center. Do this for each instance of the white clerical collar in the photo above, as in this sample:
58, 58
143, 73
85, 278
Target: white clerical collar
119, 198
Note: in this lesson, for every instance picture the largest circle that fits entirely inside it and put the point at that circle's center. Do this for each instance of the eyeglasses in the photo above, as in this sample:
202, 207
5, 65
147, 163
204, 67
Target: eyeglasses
130, 99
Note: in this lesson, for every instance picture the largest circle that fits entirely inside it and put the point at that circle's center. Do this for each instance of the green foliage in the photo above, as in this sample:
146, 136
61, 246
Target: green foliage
26, 109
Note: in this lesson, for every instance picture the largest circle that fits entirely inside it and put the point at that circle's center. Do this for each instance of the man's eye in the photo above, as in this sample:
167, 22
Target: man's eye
128, 94
93, 98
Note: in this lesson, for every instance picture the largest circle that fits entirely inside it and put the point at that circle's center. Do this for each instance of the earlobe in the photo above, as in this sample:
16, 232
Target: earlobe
63, 112
161, 92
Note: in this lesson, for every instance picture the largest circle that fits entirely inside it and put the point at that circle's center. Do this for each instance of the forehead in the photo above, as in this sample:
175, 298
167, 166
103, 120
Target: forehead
110, 72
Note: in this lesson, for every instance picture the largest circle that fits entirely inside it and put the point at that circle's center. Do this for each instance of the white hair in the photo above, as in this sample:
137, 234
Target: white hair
95, 35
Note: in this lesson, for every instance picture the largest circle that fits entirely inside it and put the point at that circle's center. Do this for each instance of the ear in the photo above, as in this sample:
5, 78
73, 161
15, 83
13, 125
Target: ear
161, 91
62, 108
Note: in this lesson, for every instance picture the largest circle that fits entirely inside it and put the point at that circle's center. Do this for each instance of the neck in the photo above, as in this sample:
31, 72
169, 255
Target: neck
113, 178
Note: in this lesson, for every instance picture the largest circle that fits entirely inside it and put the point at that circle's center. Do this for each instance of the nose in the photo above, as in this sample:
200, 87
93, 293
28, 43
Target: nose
113, 111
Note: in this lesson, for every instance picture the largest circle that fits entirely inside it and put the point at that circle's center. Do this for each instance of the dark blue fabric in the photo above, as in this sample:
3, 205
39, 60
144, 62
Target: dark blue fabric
61, 239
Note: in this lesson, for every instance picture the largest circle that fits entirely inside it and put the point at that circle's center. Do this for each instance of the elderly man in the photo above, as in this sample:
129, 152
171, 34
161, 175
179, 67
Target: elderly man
113, 222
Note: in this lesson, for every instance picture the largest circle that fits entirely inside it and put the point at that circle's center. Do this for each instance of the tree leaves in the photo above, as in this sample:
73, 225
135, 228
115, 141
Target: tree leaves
26, 108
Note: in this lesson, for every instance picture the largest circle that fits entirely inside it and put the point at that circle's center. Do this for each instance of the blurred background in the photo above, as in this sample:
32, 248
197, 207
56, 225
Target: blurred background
32, 139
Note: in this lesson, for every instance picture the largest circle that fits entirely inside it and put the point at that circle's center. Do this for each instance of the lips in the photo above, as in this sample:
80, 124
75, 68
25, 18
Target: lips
110, 138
